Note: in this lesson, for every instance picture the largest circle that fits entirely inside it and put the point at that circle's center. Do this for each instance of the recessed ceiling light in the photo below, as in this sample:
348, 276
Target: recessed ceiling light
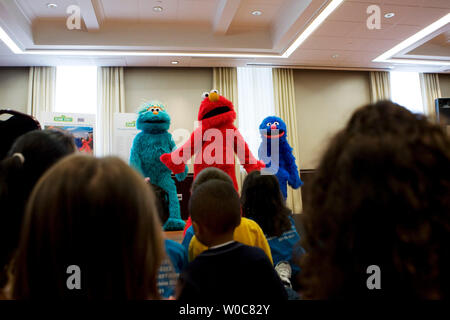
52, 5
158, 9
174, 62
256, 13
335, 56
389, 15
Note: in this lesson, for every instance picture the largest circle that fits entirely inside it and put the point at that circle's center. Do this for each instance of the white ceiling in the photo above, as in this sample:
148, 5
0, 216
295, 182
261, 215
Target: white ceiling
342, 41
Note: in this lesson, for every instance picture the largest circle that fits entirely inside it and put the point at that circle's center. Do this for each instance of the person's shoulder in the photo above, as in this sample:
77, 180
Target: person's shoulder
249, 224
173, 247
251, 252
172, 244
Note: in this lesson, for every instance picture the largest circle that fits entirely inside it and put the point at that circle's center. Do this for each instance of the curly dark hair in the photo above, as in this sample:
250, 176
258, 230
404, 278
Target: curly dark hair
380, 196
263, 202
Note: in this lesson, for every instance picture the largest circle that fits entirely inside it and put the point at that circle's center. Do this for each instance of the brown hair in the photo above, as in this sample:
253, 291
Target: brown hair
99, 215
380, 196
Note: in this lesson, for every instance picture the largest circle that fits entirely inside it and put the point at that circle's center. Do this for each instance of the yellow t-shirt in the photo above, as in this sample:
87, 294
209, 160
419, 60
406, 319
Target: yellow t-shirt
248, 232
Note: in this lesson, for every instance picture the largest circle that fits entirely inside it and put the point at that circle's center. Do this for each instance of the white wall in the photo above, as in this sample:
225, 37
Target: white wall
14, 88
180, 89
325, 101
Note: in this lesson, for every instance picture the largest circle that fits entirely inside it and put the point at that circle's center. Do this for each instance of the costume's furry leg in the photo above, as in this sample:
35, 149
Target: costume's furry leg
282, 176
174, 222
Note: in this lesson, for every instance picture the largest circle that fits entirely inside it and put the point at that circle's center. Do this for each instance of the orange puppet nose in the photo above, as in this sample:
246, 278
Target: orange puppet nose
273, 127
155, 112
213, 97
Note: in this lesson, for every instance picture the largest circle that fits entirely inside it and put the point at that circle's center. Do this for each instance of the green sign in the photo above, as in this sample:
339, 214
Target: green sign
131, 124
63, 119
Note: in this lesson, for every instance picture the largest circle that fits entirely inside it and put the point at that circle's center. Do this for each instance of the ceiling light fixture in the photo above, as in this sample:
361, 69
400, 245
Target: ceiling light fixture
52, 5
387, 56
335, 56
389, 15
256, 13
174, 62
9, 42
312, 27
158, 9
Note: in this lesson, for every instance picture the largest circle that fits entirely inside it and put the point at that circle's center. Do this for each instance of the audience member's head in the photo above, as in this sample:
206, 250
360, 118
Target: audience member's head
380, 196
30, 156
209, 174
263, 202
15, 125
215, 211
95, 214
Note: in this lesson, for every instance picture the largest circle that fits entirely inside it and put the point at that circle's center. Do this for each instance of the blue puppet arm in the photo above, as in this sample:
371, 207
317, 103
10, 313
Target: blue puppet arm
179, 176
294, 177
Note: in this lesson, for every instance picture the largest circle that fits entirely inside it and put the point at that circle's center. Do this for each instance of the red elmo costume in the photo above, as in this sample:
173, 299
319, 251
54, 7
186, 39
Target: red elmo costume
214, 142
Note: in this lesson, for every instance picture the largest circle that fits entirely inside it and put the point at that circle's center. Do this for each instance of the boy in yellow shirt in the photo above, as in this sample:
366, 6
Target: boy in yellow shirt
248, 232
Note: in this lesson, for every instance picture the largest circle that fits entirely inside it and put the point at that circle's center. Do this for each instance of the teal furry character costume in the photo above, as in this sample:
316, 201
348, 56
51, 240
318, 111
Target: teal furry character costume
148, 146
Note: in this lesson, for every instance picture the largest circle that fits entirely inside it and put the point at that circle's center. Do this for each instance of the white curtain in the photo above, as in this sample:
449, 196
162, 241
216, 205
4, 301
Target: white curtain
41, 90
380, 86
255, 87
111, 99
431, 90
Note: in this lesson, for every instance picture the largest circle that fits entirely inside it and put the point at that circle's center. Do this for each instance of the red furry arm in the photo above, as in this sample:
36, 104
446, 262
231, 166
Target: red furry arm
245, 156
176, 160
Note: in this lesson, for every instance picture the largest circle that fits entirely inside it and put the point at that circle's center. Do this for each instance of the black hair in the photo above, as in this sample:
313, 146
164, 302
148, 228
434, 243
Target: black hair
215, 205
263, 202
29, 157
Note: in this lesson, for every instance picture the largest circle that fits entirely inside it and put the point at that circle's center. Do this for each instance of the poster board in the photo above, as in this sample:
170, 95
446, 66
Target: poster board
124, 131
81, 126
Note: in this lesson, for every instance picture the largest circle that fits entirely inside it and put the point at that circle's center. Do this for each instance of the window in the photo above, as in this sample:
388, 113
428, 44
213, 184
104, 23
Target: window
76, 89
406, 90
255, 87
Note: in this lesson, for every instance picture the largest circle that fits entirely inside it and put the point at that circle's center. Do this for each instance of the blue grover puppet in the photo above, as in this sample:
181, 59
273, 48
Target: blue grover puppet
274, 128
148, 146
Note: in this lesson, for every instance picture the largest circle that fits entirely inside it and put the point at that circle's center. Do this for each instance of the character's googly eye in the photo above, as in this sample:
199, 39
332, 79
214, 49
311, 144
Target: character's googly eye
276, 123
269, 124
205, 95
215, 91
157, 109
